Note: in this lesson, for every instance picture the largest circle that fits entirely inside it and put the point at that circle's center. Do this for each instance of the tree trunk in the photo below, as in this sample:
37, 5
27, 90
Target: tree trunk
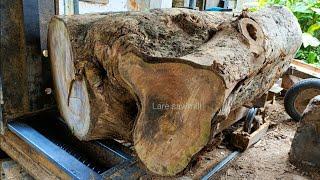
165, 79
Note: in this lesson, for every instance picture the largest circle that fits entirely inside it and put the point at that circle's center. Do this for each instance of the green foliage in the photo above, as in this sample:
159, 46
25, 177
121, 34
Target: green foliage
309, 55
308, 15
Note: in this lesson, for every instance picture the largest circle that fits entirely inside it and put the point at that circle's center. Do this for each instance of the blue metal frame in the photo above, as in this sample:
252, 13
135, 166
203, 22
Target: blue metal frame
55, 154
220, 165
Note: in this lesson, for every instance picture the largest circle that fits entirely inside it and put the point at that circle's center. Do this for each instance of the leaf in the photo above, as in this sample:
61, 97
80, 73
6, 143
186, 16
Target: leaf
316, 10
310, 2
313, 28
309, 40
262, 3
300, 7
312, 57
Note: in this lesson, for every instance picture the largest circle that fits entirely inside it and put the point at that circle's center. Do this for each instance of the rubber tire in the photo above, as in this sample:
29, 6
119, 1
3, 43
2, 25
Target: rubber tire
294, 91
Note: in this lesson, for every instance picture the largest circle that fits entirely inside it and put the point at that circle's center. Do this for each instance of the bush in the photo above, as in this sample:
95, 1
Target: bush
308, 15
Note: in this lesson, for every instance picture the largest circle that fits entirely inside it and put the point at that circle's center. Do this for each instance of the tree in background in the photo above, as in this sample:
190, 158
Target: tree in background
308, 15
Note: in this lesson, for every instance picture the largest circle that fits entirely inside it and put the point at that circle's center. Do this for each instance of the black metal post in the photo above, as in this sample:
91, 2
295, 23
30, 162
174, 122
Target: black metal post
13, 67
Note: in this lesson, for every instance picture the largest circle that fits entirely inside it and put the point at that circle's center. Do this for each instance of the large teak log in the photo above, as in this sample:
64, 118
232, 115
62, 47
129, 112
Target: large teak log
165, 79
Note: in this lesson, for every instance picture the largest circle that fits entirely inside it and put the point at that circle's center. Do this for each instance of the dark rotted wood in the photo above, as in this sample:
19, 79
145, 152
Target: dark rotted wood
13, 66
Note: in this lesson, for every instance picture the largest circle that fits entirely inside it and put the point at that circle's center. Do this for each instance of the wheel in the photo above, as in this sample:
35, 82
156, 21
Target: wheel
299, 95
249, 119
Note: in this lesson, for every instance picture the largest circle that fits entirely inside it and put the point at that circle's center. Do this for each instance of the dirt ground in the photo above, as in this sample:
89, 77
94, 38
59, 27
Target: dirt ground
268, 159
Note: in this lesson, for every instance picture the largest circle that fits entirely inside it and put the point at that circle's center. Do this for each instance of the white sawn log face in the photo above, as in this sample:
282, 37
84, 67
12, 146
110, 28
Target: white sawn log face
71, 94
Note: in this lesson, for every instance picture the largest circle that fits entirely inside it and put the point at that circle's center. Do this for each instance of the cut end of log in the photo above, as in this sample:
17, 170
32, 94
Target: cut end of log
71, 94
177, 103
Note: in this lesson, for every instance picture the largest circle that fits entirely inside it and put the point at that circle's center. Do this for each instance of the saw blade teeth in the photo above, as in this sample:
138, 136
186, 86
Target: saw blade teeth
81, 158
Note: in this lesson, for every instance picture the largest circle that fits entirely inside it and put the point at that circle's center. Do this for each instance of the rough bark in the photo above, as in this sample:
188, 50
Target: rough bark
305, 148
165, 79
